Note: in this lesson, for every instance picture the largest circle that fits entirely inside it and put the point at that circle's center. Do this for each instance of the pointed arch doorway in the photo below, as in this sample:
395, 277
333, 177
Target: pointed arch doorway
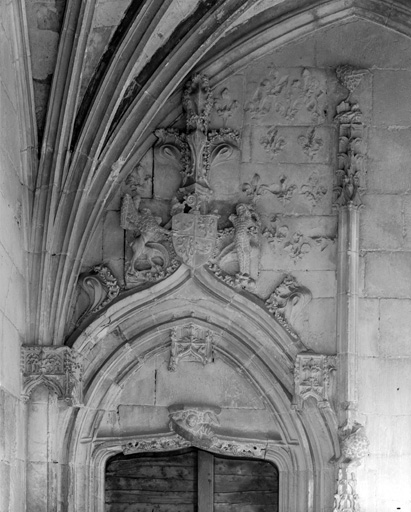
189, 480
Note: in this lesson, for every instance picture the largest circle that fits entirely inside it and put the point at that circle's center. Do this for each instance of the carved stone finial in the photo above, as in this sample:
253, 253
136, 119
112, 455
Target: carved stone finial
194, 423
312, 378
58, 368
288, 299
191, 342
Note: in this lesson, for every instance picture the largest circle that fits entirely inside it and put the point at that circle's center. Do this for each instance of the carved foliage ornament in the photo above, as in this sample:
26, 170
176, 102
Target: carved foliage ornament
350, 132
312, 378
58, 368
194, 423
223, 445
191, 343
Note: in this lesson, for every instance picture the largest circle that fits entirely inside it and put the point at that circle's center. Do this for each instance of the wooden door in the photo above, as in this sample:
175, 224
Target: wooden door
190, 481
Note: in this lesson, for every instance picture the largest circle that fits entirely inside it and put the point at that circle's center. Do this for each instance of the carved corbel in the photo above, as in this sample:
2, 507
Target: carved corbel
58, 368
312, 378
194, 423
191, 342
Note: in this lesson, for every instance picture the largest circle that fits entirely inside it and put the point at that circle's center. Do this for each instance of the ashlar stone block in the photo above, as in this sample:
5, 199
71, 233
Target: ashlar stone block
395, 317
388, 274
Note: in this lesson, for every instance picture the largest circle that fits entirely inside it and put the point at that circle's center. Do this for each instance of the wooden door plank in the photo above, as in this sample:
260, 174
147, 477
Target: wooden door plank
205, 481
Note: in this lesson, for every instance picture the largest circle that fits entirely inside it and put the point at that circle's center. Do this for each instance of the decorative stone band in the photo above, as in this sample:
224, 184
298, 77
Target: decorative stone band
172, 441
57, 368
191, 342
312, 378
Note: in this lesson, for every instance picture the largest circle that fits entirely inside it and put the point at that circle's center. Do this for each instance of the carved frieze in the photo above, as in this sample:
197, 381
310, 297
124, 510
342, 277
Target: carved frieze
225, 105
309, 143
58, 368
194, 423
282, 190
237, 256
153, 257
351, 158
312, 378
288, 300
156, 444
287, 94
191, 342
272, 142
295, 244
101, 287
222, 445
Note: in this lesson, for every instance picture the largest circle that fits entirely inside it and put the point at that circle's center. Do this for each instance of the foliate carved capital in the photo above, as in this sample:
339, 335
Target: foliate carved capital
194, 423
312, 378
58, 368
191, 342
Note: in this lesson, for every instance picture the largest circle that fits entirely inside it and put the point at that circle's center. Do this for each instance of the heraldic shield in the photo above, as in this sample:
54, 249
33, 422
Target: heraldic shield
194, 237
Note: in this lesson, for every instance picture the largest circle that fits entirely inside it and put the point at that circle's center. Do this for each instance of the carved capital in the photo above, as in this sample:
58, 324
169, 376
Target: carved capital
312, 378
58, 368
190, 342
354, 444
194, 423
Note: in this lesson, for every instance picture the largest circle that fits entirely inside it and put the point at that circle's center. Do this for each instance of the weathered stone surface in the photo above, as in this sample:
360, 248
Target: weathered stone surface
318, 333
391, 109
368, 327
394, 321
382, 222
388, 274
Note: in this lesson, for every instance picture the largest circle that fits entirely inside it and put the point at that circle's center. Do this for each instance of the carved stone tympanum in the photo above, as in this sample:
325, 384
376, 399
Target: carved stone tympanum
191, 342
57, 368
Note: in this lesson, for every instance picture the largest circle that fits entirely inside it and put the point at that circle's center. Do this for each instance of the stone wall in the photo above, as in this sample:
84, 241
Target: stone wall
12, 267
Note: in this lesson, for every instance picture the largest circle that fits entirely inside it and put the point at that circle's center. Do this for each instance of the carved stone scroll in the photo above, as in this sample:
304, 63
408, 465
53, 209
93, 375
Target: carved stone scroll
287, 300
57, 368
312, 378
194, 423
101, 287
191, 342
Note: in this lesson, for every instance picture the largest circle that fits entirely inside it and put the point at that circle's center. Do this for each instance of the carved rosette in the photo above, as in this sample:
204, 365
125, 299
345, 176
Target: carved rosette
194, 423
57, 368
312, 378
193, 343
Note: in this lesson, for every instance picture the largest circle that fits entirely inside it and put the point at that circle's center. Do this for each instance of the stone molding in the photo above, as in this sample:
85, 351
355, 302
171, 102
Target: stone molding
191, 342
57, 368
312, 378
221, 445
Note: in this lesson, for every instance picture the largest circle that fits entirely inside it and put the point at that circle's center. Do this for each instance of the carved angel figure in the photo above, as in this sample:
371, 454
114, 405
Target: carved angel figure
148, 233
246, 224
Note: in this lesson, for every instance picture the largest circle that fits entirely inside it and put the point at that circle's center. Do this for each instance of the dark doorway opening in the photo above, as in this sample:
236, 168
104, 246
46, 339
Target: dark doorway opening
190, 480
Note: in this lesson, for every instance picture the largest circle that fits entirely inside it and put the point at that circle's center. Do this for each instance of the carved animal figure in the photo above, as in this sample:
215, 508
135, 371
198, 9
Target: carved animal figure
148, 232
